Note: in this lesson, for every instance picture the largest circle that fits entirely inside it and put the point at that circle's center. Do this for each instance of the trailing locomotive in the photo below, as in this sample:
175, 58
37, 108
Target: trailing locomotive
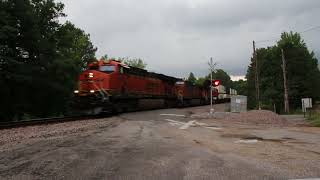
220, 94
188, 94
111, 86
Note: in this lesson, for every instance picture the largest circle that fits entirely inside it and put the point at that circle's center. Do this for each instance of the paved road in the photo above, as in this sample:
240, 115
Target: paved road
140, 145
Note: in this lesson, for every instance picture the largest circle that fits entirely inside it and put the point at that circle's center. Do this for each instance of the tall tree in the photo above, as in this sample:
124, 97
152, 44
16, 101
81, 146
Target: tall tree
302, 68
29, 44
240, 86
38, 58
75, 52
105, 57
191, 78
201, 81
74, 44
302, 73
134, 62
139, 63
223, 77
251, 90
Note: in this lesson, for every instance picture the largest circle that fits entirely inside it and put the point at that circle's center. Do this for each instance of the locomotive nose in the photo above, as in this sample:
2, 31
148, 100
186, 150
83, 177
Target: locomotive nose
88, 82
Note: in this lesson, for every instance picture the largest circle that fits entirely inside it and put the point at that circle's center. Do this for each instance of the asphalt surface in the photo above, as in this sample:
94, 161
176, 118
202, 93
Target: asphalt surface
150, 145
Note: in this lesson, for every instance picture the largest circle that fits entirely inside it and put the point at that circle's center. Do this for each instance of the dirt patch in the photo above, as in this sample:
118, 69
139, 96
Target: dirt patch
255, 118
259, 117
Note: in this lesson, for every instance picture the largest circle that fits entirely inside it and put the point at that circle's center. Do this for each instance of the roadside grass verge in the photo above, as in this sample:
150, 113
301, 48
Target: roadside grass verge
315, 119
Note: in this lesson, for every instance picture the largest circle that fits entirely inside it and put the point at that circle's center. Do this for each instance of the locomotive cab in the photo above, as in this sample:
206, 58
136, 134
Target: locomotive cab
98, 83
101, 76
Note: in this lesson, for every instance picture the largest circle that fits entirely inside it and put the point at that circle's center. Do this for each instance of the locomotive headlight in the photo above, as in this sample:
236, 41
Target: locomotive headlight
76, 91
91, 91
90, 75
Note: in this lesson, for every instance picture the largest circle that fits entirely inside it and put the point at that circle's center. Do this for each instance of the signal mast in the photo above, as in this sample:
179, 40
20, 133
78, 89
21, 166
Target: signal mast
212, 69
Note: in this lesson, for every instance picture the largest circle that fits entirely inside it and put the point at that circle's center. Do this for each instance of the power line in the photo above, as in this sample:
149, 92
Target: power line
304, 31
266, 40
310, 29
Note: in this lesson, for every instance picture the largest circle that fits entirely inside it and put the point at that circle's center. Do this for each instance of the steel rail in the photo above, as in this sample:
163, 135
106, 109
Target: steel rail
41, 121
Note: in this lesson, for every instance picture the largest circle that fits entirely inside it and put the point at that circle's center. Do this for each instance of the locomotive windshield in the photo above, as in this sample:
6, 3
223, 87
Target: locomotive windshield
107, 68
95, 67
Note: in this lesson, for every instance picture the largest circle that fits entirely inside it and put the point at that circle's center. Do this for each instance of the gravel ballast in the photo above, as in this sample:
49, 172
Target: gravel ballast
17, 135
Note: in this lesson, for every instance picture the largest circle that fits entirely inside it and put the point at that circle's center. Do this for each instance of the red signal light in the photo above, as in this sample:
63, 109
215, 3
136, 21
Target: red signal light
216, 82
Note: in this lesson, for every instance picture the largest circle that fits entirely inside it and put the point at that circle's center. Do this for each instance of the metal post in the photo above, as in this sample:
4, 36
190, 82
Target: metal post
211, 65
310, 113
304, 110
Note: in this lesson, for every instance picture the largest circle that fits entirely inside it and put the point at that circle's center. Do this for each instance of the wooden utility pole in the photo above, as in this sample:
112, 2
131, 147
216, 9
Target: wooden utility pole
256, 77
286, 99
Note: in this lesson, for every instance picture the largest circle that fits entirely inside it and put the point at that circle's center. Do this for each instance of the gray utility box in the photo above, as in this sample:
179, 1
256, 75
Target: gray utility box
238, 103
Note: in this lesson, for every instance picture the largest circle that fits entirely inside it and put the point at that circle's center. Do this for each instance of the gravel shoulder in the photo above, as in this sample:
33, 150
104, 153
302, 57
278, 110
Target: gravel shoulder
152, 145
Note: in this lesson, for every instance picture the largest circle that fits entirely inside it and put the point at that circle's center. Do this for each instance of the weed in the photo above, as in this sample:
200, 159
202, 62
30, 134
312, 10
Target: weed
315, 119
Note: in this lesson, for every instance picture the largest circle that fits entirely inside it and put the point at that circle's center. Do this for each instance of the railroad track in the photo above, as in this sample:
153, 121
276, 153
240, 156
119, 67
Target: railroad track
39, 121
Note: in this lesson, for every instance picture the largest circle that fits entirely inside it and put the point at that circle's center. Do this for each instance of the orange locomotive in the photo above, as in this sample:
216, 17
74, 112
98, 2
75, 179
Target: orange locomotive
111, 86
189, 94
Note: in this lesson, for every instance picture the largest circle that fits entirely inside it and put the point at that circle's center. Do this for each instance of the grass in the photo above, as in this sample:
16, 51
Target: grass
296, 111
315, 119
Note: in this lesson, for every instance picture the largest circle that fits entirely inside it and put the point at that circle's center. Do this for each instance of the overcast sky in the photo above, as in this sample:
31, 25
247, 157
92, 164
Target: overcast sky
176, 37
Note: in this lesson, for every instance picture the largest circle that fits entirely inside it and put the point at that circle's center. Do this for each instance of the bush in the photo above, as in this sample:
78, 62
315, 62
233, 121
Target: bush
315, 119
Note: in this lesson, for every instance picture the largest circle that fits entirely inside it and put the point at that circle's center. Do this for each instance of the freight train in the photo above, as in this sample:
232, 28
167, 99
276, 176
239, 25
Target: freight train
110, 86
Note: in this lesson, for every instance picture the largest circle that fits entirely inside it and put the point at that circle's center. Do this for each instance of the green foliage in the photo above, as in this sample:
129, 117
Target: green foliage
223, 77
105, 57
302, 73
40, 59
191, 78
302, 67
75, 43
218, 74
240, 86
200, 81
315, 119
136, 62
250, 76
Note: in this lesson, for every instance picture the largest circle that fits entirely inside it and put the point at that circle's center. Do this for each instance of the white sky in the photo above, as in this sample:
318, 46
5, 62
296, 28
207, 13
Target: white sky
176, 37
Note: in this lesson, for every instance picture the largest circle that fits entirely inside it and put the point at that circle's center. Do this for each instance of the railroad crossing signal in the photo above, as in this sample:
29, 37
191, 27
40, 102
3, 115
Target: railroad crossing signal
216, 82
